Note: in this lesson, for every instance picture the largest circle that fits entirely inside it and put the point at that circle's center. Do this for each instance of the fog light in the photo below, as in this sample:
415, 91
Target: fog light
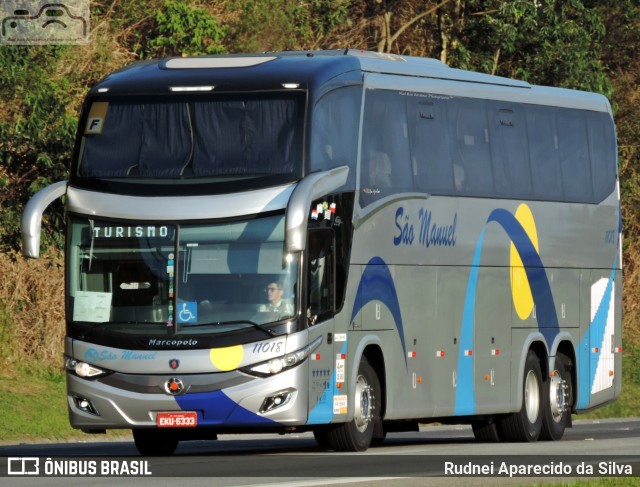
276, 400
85, 405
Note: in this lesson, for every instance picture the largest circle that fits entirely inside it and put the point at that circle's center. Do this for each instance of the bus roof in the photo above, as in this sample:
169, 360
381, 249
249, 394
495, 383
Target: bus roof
305, 70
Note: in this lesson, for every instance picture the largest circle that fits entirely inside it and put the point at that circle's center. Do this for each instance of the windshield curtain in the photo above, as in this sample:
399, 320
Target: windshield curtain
188, 278
205, 137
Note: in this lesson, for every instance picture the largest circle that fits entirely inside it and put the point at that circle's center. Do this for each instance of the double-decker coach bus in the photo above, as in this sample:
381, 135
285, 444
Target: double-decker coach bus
342, 242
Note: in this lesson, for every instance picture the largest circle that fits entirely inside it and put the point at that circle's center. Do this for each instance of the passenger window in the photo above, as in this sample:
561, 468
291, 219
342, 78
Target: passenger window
574, 155
603, 154
430, 146
509, 150
543, 153
385, 159
472, 153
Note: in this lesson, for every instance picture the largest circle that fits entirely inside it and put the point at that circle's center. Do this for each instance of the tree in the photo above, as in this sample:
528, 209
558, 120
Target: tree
273, 25
548, 42
36, 134
181, 29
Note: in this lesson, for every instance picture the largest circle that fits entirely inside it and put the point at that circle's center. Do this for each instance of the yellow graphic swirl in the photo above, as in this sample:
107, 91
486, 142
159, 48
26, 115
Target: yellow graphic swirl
228, 358
520, 289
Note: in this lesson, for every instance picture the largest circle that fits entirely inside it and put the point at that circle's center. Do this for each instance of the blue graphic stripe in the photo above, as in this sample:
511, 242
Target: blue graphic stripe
592, 339
377, 284
322, 412
216, 408
465, 388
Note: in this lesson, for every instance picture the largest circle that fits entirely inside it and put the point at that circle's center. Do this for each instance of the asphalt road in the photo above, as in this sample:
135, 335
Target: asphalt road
605, 446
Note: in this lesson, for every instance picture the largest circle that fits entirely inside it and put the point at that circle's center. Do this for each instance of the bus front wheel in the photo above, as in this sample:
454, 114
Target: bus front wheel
356, 435
526, 424
154, 443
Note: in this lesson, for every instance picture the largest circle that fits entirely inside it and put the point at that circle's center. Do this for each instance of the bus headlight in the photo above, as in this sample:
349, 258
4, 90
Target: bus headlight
284, 362
83, 369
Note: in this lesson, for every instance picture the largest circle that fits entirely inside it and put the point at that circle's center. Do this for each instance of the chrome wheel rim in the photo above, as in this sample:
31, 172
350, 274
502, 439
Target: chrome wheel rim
557, 396
364, 404
532, 396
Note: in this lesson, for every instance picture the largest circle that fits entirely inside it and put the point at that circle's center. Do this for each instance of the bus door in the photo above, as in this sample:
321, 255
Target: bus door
325, 371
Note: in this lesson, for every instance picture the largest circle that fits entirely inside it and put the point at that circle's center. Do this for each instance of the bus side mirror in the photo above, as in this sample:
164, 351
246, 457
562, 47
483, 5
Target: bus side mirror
310, 188
32, 217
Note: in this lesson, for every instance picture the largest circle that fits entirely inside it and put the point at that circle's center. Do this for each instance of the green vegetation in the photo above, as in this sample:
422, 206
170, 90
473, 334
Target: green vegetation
584, 44
34, 406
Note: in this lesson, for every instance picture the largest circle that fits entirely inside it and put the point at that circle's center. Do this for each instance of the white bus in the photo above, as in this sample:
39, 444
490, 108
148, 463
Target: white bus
342, 242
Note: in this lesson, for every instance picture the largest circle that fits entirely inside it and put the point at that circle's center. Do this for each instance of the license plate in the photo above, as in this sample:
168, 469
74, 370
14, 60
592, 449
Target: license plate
187, 419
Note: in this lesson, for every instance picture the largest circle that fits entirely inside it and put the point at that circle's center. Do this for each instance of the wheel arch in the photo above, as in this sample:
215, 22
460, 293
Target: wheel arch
373, 354
534, 342
370, 347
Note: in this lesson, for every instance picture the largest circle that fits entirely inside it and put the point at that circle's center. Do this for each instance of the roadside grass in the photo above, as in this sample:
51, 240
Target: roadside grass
34, 408
34, 395
34, 405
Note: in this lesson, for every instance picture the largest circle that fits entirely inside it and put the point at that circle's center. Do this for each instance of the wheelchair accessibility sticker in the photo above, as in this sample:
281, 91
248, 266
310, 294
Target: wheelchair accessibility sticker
44, 22
188, 312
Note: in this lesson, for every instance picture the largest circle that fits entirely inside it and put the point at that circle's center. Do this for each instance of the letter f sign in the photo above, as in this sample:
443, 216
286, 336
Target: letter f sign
94, 125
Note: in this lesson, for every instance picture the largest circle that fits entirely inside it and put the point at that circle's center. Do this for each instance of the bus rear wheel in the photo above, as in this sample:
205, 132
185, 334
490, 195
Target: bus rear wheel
356, 435
559, 400
526, 424
154, 443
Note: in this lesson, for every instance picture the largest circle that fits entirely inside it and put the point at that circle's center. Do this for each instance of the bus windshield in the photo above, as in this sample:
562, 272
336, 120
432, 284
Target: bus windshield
204, 278
207, 137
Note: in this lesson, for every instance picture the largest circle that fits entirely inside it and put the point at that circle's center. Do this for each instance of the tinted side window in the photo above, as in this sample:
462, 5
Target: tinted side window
603, 153
471, 151
334, 131
430, 145
509, 151
472, 147
543, 153
573, 147
385, 164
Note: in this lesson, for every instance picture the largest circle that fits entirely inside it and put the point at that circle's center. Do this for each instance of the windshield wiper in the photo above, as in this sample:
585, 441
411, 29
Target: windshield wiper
234, 322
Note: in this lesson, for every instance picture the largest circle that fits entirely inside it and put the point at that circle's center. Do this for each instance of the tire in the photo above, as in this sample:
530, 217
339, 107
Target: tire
526, 424
154, 443
486, 431
558, 400
321, 436
356, 435
378, 440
